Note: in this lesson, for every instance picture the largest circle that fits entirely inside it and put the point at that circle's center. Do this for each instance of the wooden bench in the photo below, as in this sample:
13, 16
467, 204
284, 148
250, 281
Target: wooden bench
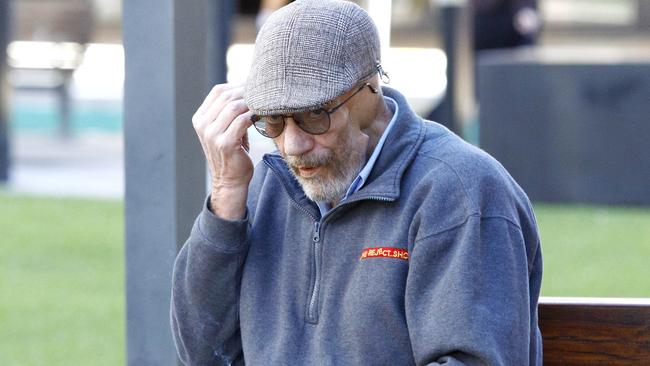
594, 331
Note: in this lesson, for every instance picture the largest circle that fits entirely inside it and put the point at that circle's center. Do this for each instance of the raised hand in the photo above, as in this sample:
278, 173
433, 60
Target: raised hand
221, 123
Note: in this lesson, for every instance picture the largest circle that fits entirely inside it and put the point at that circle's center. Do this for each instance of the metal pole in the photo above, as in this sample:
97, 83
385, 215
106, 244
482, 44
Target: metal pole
4, 120
643, 11
456, 34
166, 56
447, 21
218, 38
65, 104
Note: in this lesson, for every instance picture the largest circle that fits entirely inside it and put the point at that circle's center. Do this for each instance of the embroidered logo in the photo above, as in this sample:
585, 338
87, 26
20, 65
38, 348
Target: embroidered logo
381, 252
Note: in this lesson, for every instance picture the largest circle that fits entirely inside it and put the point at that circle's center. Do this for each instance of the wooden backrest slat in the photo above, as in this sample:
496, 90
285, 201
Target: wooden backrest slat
612, 332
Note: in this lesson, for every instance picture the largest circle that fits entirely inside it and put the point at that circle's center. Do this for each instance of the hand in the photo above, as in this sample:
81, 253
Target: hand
221, 123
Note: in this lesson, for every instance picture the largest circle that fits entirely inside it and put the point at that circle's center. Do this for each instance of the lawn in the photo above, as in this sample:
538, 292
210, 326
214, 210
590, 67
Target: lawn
61, 282
595, 251
62, 272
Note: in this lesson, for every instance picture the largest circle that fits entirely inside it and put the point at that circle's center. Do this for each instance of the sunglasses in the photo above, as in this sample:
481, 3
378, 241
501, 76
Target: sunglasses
315, 122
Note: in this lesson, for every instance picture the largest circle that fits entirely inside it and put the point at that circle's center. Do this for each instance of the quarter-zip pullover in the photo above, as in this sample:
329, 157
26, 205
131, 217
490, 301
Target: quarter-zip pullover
435, 260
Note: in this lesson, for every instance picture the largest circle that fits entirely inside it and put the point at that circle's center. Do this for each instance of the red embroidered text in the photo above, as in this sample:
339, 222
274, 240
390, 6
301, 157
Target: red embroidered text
381, 252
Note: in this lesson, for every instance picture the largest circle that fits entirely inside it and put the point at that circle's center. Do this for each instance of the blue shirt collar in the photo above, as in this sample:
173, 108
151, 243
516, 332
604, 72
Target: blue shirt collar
362, 177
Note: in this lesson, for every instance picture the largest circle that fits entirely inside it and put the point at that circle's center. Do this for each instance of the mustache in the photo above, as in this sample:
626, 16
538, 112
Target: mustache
308, 161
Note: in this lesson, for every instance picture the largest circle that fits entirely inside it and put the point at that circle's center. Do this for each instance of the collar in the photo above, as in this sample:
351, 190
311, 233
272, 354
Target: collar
383, 180
362, 177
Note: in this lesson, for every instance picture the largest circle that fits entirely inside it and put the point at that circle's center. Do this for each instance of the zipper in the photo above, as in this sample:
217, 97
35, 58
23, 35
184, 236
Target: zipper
312, 306
316, 237
312, 309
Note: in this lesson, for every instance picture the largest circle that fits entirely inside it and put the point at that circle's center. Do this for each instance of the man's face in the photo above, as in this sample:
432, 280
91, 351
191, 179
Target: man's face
325, 165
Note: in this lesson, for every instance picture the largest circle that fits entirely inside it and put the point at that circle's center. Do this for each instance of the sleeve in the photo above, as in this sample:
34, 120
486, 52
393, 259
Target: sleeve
205, 292
467, 297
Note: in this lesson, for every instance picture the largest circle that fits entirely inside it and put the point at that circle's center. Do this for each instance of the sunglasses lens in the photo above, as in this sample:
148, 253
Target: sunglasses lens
270, 126
314, 122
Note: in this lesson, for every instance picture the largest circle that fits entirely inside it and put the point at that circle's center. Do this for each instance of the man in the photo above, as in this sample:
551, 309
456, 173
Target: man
372, 237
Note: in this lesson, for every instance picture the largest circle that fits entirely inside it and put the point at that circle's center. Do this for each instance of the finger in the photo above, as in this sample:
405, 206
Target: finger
228, 115
245, 142
222, 100
237, 130
212, 96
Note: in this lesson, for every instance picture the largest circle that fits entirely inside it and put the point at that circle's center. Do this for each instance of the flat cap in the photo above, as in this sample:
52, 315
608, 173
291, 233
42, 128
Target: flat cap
308, 53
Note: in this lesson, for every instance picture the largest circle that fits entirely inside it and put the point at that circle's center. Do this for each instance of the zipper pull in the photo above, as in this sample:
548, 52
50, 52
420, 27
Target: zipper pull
316, 237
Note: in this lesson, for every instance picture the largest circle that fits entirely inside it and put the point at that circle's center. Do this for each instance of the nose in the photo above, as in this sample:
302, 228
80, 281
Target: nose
295, 141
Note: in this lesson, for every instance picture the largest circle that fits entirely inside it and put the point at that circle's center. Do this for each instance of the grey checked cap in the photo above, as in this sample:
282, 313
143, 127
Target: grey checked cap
308, 53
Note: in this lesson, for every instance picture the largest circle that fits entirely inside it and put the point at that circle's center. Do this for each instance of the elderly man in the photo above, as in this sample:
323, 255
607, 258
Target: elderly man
371, 237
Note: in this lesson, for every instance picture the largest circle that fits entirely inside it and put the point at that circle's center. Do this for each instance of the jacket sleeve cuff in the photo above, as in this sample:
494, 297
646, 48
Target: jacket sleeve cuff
226, 235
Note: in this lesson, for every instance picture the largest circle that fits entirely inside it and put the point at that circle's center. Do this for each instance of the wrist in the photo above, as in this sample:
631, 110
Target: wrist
229, 203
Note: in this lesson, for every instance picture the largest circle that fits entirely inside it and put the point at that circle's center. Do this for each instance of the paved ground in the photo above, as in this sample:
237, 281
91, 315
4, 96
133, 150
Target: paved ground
90, 165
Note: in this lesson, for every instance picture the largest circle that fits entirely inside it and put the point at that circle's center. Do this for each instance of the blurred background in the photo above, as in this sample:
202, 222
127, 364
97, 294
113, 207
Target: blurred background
557, 90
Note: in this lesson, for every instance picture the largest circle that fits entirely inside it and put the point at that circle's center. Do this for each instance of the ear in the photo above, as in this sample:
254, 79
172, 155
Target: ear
374, 81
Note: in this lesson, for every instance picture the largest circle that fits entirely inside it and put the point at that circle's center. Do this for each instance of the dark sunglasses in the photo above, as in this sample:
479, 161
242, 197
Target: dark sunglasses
315, 122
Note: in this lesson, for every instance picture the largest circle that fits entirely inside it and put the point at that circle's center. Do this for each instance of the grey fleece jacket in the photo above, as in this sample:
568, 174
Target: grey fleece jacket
436, 260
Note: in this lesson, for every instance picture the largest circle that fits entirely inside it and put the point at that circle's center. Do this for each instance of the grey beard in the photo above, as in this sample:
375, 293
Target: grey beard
329, 190
344, 168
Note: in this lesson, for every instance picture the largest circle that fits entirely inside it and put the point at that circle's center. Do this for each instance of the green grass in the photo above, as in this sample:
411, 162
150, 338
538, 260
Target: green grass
61, 282
62, 272
595, 251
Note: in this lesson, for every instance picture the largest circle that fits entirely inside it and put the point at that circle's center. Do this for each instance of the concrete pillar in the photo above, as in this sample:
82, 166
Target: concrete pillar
165, 45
